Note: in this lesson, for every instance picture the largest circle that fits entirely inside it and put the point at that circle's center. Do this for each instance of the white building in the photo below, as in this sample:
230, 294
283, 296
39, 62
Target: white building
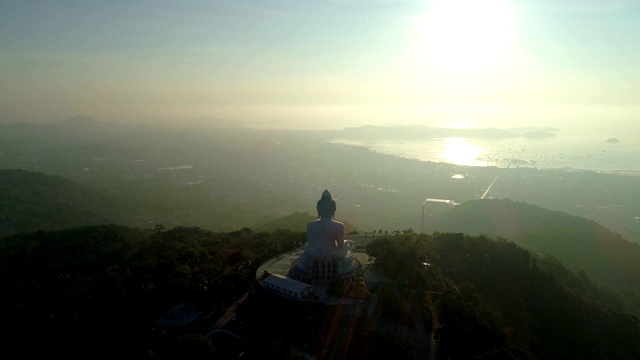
287, 286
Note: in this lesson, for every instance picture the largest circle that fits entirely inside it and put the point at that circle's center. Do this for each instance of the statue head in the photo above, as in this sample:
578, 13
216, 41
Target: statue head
326, 206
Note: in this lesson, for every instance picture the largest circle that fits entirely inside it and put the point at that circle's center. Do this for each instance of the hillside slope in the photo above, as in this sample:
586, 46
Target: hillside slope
581, 244
492, 299
31, 201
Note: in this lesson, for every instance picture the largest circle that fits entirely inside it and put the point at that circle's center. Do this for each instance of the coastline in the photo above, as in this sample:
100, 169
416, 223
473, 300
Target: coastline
501, 155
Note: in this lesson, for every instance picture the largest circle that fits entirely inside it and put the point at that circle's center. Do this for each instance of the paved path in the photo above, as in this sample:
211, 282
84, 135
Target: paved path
230, 313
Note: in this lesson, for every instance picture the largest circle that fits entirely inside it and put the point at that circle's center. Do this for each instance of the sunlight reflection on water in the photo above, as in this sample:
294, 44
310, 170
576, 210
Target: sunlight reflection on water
458, 151
576, 152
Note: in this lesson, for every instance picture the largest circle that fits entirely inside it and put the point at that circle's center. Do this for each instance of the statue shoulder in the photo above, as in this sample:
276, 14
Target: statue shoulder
314, 224
337, 225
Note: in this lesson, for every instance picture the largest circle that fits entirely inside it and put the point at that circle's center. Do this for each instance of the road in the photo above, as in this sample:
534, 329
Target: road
489, 188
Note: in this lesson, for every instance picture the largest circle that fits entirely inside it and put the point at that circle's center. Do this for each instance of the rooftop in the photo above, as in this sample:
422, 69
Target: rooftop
287, 283
180, 316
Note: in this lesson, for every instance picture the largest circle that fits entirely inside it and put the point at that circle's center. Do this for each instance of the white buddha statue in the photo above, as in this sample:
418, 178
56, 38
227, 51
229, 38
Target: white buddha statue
325, 236
325, 246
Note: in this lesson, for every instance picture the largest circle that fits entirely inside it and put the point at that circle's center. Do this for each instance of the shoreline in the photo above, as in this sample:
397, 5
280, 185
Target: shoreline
522, 164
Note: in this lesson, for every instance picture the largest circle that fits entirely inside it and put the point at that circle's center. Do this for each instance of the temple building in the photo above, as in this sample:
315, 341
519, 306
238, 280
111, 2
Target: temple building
287, 286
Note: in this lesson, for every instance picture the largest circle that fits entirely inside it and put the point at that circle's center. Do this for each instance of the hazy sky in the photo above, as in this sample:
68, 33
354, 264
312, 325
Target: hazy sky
329, 63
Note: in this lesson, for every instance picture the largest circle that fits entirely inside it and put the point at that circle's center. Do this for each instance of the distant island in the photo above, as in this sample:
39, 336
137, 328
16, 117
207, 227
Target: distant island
613, 140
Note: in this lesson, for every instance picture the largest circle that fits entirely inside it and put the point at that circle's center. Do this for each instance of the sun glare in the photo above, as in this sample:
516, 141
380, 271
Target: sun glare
457, 151
465, 35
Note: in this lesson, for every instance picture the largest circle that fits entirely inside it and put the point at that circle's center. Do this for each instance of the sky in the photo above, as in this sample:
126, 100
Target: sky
323, 63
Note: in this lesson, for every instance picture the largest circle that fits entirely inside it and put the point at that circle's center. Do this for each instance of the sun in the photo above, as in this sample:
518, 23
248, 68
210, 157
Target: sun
465, 35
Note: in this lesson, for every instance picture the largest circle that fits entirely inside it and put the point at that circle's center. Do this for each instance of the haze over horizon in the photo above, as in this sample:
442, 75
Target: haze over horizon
323, 64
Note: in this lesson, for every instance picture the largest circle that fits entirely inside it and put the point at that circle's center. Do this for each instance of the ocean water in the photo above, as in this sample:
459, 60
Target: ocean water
570, 150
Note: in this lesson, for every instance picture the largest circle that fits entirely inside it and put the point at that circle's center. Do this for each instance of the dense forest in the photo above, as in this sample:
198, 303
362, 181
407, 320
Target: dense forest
96, 291
495, 300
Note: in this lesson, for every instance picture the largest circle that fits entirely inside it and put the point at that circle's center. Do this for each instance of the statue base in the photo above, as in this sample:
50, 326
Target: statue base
312, 269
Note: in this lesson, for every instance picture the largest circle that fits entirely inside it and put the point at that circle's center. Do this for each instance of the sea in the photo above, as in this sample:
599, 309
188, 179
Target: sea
570, 150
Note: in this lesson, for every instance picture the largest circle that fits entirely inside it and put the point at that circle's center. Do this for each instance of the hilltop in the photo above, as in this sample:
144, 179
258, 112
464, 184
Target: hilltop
481, 297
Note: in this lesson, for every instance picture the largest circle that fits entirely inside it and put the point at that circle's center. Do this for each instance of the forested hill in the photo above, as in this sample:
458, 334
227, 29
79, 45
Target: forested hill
31, 201
95, 292
500, 301
581, 244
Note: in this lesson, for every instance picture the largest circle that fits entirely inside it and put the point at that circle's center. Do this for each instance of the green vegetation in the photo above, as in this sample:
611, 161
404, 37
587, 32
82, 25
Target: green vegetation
102, 287
580, 244
32, 201
96, 291
500, 301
